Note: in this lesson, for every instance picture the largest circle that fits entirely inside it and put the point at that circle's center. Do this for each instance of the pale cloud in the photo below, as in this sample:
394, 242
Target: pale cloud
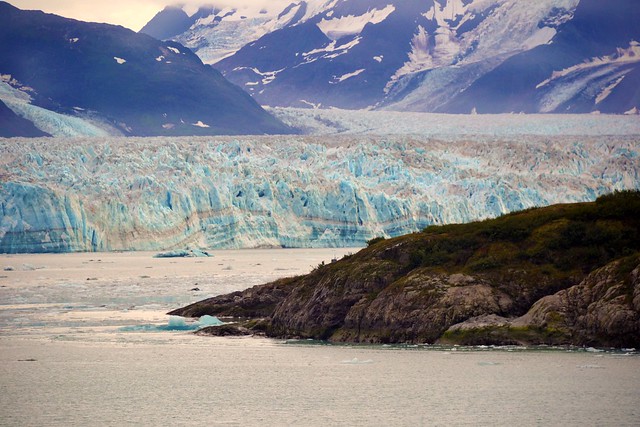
132, 14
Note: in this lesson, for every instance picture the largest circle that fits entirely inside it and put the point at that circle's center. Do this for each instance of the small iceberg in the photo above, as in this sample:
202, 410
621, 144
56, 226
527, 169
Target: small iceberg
176, 323
485, 363
183, 253
356, 361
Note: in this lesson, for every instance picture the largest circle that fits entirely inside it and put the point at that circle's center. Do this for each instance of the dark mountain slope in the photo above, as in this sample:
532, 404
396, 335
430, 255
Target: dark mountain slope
13, 125
139, 84
169, 22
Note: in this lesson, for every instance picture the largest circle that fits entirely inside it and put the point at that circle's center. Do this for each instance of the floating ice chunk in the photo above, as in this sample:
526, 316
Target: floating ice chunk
173, 49
175, 323
183, 253
119, 60
356, 361
207, 320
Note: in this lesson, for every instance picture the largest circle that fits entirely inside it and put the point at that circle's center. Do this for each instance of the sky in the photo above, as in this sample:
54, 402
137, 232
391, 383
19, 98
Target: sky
133, 14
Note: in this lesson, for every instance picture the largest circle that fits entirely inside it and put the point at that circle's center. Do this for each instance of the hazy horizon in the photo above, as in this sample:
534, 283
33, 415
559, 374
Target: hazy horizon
130, 14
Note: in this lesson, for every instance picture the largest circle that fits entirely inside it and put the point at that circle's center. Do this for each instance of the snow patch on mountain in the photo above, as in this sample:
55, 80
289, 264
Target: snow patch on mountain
336, 28
221, 35
514, 26
427, 54
595, 78
330, 51
509, 27
620, 57
346, 76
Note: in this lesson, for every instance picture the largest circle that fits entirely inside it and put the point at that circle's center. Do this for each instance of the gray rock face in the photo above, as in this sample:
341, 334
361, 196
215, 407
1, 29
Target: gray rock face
424, 308
604, 309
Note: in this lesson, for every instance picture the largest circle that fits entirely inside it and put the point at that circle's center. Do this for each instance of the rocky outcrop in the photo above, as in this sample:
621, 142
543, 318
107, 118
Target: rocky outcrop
227, 330
556, 275
255, 302
603, 310
422, 309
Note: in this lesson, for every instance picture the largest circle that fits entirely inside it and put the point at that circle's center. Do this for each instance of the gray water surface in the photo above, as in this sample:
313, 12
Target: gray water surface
97, 353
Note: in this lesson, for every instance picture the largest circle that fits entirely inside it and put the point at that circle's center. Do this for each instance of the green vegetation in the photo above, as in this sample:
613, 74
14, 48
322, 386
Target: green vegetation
556, 240
374, 240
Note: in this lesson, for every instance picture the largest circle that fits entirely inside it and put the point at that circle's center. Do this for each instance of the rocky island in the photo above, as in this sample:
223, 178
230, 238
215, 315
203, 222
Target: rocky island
563, 274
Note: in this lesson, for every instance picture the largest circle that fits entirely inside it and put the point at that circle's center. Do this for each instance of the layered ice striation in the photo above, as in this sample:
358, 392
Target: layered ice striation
101, 194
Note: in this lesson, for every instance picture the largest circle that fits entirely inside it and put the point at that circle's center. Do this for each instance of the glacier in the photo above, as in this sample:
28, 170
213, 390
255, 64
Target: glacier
317, 121
107, 194
55, 124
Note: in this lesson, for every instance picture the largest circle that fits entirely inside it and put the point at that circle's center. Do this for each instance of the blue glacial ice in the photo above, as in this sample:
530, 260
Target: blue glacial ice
157, 194
175, 323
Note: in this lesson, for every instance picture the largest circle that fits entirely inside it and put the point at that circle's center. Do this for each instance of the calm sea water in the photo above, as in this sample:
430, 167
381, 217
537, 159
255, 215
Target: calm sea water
84, 341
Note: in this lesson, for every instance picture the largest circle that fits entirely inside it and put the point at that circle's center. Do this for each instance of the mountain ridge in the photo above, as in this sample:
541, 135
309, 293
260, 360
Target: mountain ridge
131, 83
446, 56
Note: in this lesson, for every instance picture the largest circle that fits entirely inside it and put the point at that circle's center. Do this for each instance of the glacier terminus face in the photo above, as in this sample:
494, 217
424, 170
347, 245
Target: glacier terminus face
101, 194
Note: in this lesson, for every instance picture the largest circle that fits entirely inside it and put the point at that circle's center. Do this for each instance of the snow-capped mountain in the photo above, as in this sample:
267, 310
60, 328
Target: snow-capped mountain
216, 32
68, 77
429, 55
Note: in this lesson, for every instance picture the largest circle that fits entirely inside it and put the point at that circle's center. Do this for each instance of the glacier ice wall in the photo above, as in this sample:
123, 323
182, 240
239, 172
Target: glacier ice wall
100, 194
